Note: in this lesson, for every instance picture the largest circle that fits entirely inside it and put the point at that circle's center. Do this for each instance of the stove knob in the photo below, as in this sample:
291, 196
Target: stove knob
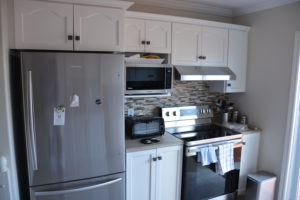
208, 110
174, 113
167, 114
203, 111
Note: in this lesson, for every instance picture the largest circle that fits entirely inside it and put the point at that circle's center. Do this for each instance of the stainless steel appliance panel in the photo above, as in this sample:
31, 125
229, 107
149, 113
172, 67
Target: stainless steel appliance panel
105, 188
91, 142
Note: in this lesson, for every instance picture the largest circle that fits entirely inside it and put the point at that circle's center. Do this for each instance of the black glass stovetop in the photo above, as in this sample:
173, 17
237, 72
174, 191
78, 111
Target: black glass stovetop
206, 132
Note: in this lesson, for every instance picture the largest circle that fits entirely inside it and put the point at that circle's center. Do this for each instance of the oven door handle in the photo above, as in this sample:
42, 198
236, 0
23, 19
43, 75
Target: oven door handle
192, 151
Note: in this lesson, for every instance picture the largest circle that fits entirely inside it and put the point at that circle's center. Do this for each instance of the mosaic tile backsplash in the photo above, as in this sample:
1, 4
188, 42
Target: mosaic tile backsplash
183, 93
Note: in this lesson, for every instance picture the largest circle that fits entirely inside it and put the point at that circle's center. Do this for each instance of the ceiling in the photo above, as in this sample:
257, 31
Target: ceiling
218, 7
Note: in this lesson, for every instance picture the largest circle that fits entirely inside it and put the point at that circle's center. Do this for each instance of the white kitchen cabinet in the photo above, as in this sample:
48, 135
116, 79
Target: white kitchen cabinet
186, 39
134, 35
154, 174
168, 170
214, 46
43, 25
199, 45
58, 26
249, 158
237, 60
140, 175
98, 28
147, 36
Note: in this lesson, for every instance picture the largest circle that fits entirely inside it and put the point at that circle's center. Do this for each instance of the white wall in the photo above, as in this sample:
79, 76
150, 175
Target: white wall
270, 55
6, 133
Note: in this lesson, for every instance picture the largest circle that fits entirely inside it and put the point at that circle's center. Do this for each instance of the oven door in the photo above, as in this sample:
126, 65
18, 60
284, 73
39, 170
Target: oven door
148, 79
202, 182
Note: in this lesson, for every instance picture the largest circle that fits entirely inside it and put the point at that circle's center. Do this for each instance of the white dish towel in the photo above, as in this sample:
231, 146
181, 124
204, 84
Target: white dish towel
226, 159
207, 155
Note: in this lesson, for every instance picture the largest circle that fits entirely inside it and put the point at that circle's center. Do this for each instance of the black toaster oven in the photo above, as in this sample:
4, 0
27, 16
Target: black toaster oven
141, 127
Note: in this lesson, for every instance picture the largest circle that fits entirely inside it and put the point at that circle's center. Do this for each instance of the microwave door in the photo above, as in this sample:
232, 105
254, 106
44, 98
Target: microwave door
141, 80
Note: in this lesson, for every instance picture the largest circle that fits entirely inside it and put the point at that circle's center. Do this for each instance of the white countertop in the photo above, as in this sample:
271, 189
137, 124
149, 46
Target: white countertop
237, 127
166, 140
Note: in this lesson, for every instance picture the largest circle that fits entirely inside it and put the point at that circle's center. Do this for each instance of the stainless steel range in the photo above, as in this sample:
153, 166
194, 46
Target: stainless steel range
193, 125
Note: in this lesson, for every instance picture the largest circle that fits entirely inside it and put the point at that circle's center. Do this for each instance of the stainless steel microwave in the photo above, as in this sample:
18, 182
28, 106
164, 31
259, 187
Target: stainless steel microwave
148, 79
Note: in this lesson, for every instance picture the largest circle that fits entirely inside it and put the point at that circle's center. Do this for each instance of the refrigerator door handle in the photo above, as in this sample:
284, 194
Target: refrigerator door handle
32, 134
71, 190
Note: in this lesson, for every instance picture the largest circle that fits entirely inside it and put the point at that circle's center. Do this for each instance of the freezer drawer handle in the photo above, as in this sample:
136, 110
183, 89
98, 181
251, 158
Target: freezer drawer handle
67, 191
31, 123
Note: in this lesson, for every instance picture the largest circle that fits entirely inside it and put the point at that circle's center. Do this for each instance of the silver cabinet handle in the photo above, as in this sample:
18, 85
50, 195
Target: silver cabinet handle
80, 189
31, 123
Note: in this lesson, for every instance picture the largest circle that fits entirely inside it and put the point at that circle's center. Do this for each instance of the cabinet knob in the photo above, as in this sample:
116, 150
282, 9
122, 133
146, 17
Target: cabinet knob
154, 159
159, 158
70, 37
229, 84
143, 42
148, 42
77, 37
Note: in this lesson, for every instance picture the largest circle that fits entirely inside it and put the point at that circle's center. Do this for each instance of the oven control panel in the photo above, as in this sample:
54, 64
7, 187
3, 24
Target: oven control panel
186, 112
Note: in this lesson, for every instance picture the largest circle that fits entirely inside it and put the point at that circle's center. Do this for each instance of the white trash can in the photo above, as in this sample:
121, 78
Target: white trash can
260, 186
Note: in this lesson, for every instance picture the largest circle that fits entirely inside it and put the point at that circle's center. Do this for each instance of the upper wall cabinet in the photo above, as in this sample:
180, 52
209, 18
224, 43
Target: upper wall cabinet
237, 60
199, 45
214, 47
55, 26
98, 29
41, 25
147, 36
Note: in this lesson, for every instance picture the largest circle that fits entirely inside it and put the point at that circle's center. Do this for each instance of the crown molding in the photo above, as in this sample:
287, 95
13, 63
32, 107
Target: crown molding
188, 6
261, 6
175, 19
106, 3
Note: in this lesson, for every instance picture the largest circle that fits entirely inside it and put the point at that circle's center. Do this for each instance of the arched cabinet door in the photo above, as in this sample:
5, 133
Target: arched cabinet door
43, 25
134, 35
98, 28
158, 36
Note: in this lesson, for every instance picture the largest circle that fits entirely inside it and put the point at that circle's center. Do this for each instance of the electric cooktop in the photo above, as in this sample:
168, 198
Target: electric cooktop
206, 134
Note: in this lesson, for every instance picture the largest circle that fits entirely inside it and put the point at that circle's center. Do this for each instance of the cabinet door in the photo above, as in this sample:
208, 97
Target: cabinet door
249, 158
140, 174
134, 35
43, 25
98, 28
158, 36
186, 40
169, 165
237, 60
214, 46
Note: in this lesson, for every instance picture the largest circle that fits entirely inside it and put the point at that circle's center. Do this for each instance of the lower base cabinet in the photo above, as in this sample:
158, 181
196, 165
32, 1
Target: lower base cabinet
249, 159
154, 174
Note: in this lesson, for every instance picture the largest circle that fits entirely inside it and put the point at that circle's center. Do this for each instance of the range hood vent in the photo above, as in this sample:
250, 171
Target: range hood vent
196, 73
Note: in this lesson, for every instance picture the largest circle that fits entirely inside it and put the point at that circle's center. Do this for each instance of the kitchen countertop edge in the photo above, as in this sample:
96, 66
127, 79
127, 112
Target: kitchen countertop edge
166, 140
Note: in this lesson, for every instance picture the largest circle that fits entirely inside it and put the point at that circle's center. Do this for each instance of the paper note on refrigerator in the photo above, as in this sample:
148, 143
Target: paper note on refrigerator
74, 101
59, 116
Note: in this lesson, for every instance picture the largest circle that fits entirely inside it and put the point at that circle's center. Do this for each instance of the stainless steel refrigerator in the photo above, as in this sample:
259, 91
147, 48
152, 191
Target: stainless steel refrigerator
73, 125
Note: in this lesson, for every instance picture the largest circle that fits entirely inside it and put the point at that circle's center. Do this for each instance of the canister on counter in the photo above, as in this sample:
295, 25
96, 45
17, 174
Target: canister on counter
243, 119
235, 116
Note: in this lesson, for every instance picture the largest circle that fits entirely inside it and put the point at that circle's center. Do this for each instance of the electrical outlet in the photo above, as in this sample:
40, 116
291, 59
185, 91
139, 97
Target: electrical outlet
130, 112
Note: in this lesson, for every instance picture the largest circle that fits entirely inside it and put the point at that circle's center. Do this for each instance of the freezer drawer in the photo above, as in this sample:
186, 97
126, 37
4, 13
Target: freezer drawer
105, 188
